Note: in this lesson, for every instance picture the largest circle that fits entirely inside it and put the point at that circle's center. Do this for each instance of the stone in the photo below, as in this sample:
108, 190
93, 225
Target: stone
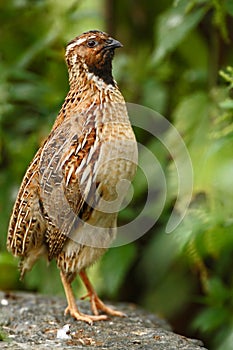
37, 322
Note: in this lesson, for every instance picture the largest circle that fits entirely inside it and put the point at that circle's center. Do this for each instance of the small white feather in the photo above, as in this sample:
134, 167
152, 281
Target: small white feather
63, 333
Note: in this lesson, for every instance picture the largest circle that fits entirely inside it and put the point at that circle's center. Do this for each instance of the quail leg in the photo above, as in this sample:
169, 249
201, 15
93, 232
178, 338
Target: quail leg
96, 303
72, 308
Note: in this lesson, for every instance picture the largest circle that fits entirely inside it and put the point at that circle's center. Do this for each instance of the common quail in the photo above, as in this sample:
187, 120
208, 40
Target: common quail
72, 191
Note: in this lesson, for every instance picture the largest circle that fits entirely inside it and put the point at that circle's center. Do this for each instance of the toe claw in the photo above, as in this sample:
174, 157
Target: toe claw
85, 318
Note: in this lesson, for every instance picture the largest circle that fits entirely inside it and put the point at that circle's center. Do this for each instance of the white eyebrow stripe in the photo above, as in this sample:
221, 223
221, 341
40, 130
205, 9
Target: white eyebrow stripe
76, 42
80, 41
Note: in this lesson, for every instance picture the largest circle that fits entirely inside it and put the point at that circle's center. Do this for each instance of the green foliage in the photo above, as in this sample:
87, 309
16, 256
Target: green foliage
118, 260
173, 26
3, 336
173, 53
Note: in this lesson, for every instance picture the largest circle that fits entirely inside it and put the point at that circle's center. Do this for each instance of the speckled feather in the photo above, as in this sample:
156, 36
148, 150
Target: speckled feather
91, 147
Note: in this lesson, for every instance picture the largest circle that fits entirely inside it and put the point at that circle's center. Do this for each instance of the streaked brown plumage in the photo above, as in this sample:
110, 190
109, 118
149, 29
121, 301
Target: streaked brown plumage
68, 201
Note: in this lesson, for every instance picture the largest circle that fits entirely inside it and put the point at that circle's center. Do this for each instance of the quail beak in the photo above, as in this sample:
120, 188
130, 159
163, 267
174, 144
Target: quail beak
112, 44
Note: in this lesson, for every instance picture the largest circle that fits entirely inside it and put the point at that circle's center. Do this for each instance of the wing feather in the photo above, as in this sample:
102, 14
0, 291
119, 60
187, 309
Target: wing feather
67, 180
26, 224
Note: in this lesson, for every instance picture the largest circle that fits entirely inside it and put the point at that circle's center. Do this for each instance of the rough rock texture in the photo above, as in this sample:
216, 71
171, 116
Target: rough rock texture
36, 322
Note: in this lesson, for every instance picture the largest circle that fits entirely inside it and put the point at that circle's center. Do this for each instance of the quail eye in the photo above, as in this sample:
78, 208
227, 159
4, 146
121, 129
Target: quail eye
92, 43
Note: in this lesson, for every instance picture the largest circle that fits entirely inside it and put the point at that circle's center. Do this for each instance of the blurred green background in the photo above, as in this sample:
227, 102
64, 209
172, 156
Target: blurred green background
176, 59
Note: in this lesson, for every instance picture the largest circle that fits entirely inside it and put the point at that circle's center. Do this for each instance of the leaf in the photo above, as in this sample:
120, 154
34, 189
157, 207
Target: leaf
227, 104
3, 336
191, 115
211, 318
218, 292
229, 7
226, 339
173, 26
9, 275
114, 266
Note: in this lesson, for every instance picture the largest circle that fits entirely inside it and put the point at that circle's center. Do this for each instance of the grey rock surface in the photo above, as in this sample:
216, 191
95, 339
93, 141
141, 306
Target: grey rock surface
37, 322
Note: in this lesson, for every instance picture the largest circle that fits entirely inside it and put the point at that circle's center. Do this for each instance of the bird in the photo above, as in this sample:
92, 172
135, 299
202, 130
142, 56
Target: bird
68, 202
